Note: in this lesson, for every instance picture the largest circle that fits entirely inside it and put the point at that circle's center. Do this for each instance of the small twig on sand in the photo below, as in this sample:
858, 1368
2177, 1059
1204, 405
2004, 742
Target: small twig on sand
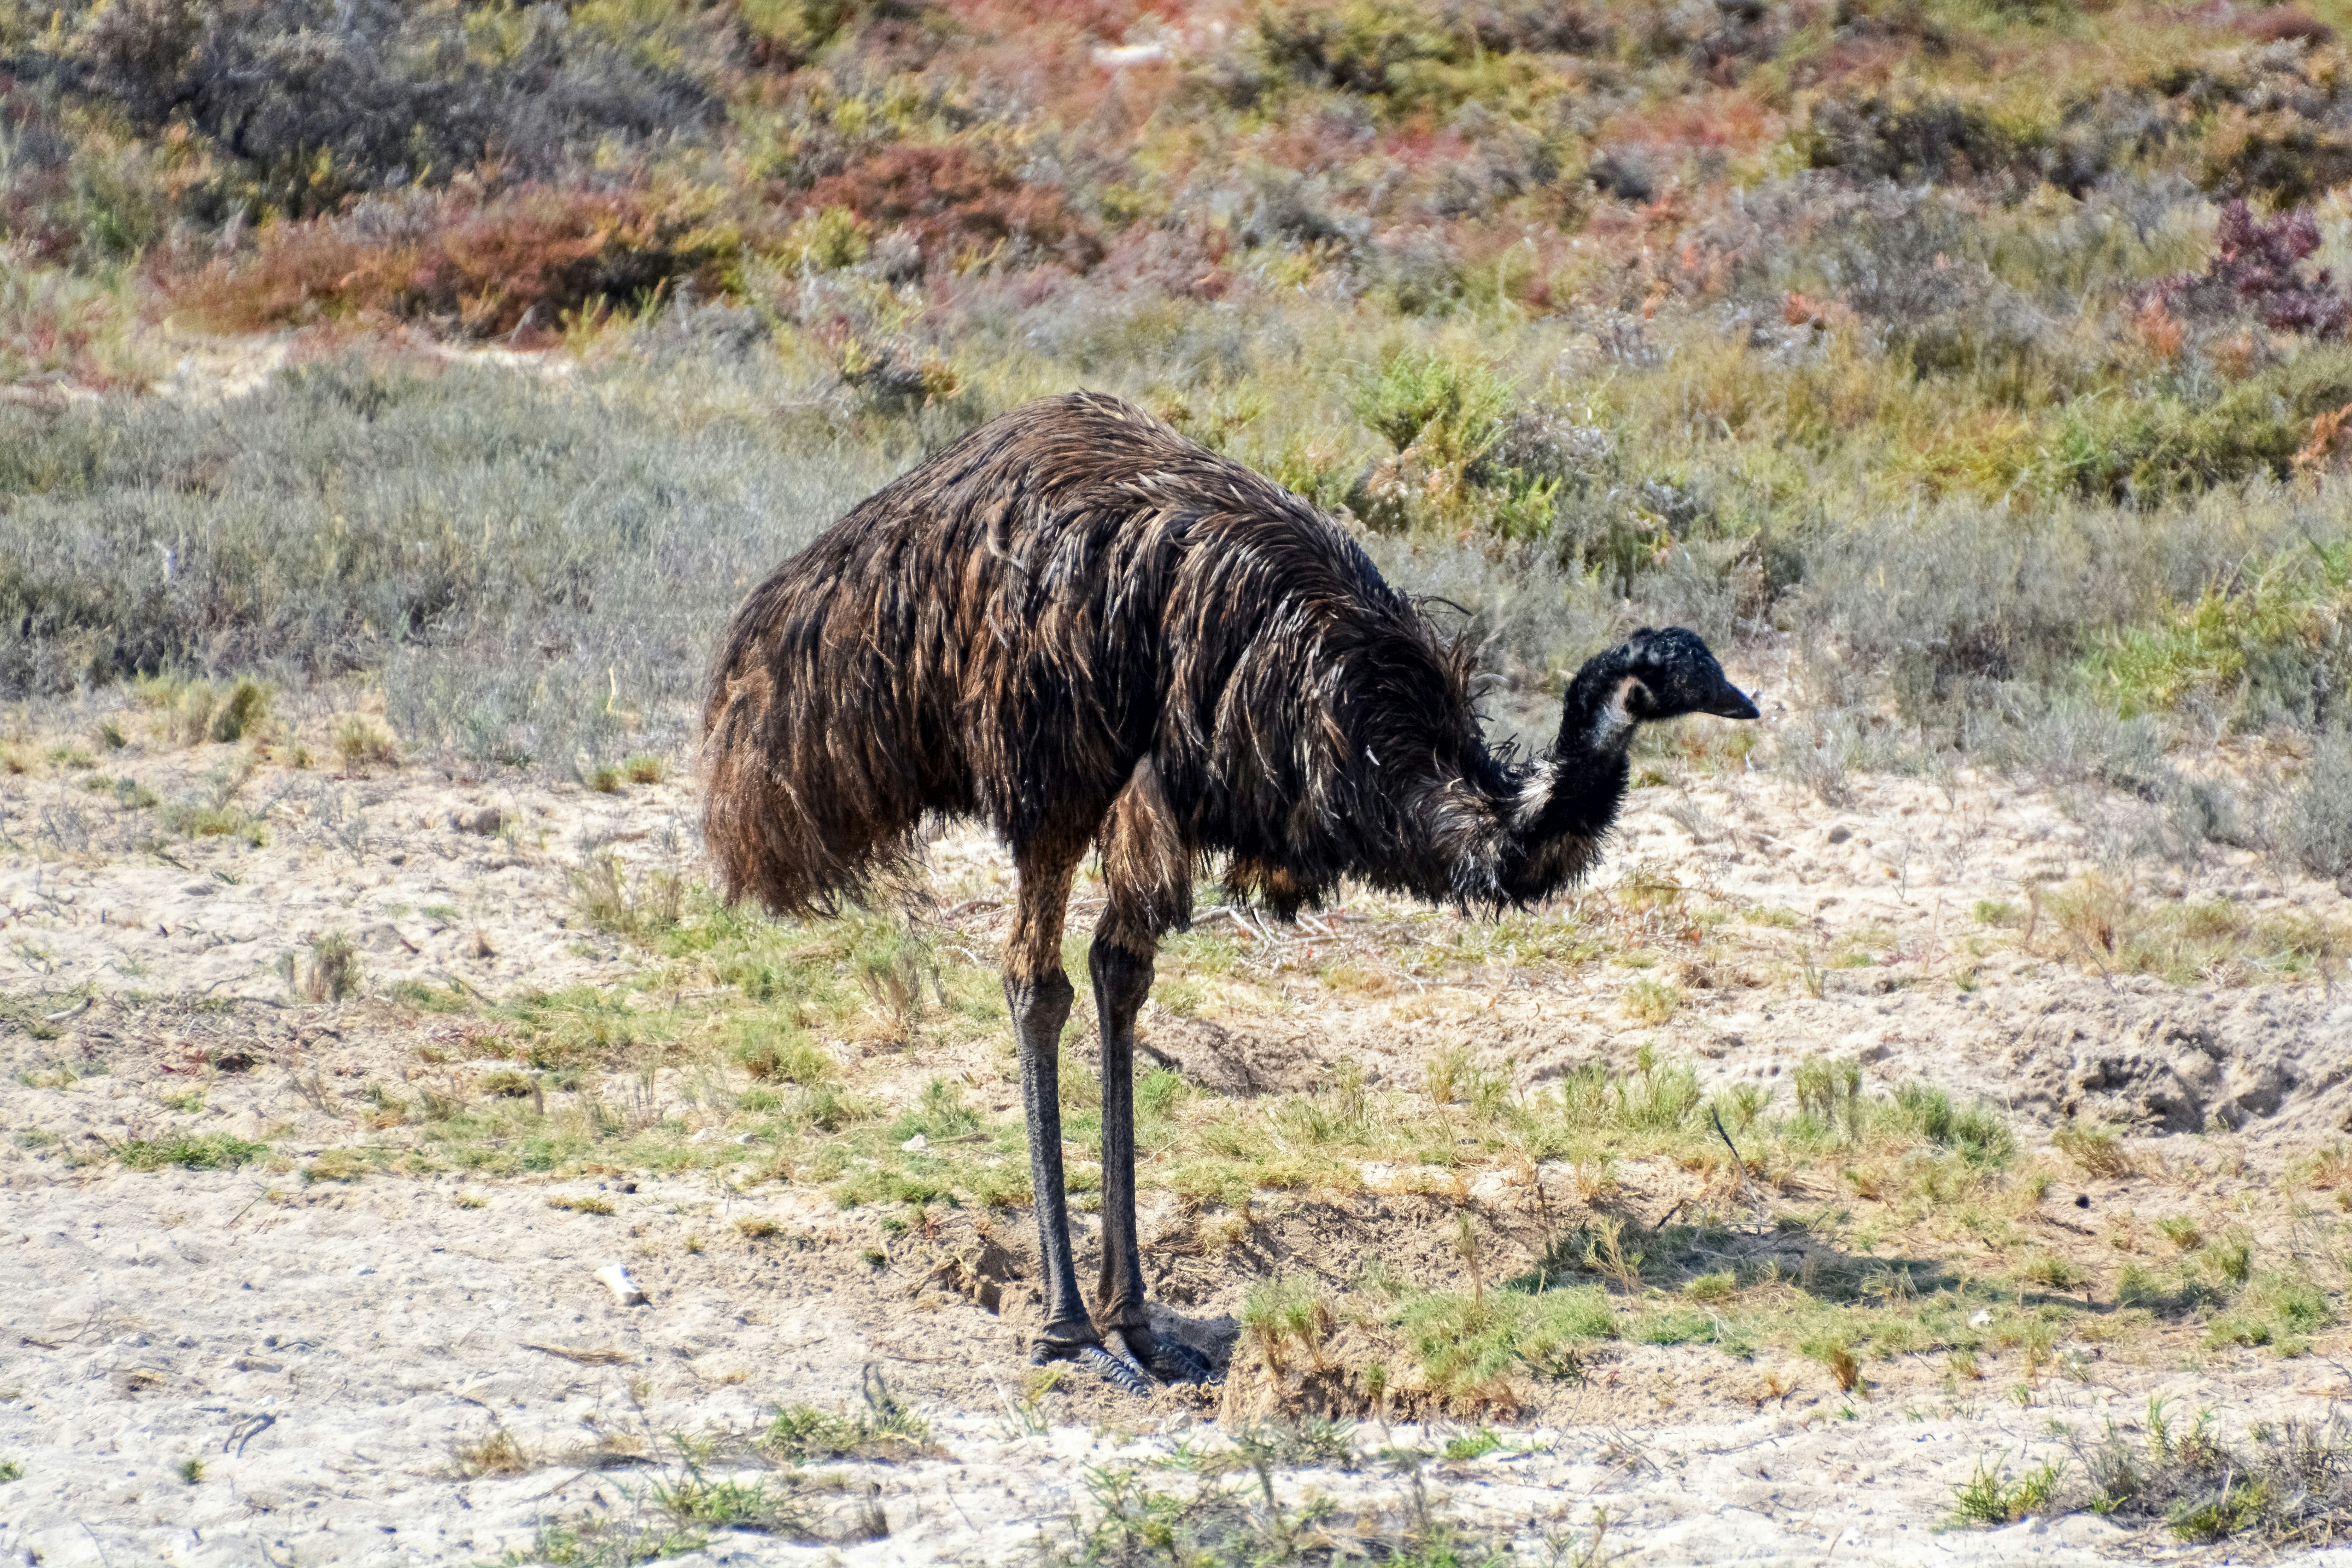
584, 1357
248, 1430
1738, 1165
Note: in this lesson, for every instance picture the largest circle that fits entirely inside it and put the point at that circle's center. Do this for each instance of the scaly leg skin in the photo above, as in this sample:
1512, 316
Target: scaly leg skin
1122, 980
1038, 995
1039, 1010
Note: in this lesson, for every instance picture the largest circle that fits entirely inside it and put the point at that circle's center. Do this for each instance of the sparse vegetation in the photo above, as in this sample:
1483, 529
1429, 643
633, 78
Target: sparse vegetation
581, 1203
2284, 1484
332, 972
1972, 378
193, 1151
495, 1453
1992, 1497
883, 1429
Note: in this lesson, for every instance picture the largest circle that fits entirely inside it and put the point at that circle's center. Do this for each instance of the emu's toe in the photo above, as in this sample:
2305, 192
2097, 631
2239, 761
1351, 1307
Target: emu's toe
1120, 1371
1168, 1360
1113, 1362
1180, 1363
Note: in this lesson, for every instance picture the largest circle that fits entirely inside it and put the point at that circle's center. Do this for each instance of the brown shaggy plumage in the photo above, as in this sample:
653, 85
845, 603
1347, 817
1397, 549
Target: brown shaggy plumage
1088, 631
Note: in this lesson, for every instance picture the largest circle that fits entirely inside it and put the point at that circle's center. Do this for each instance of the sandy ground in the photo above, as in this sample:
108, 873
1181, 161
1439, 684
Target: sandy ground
328, 1350
325, 1358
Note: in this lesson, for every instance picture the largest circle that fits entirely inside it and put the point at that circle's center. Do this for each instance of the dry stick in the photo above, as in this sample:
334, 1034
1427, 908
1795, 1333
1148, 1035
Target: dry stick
1738, 1163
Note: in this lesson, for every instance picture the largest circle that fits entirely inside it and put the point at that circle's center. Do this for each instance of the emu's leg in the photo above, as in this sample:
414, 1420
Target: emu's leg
1122, 980
1039, 995
1148, 871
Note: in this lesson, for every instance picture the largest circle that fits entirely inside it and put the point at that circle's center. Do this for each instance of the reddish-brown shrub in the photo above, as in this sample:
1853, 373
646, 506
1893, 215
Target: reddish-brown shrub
2258, 266
960, 205
2287, 21
518, 263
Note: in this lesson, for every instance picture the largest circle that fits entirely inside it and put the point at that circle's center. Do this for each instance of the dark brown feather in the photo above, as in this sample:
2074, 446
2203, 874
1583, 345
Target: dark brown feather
1075, 609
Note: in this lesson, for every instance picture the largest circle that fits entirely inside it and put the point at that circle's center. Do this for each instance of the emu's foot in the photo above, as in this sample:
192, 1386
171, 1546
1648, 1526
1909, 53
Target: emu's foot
1118, 1369
1167, 1359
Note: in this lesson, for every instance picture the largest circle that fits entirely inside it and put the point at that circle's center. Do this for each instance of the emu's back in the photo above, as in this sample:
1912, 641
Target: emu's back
1006, 629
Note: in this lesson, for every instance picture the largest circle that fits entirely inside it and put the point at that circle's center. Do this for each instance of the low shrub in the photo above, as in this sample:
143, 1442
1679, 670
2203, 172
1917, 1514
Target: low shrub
521, 261
963, 206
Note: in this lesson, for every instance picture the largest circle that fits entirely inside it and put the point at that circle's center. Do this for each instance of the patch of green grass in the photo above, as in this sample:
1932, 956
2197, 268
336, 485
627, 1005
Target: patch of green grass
939, 1114
1472, 1445
1286, 1315
190, 1151
1712, 1289
451, 997
759, 1506
48, 1072
2278, 1308
872, 1167
1467, 1342
1989, 1497
781, 1055
1652, 1001
1126, 1521
1975, 1133
883, 1428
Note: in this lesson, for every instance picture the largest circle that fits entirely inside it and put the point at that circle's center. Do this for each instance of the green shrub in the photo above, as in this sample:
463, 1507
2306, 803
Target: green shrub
1447, 406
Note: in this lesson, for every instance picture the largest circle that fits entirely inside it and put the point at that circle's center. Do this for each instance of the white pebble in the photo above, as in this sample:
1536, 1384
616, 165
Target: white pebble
615, 1276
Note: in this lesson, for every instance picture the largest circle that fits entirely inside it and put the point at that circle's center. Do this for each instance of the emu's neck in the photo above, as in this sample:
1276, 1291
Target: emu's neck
1570, 799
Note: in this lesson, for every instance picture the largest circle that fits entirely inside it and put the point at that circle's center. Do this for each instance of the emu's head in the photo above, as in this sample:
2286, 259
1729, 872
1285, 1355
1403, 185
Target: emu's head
1670, 673
1652, 674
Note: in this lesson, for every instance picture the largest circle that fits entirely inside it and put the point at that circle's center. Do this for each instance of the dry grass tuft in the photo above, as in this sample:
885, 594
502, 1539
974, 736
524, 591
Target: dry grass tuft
2095, 1150
365, 745
495, 1453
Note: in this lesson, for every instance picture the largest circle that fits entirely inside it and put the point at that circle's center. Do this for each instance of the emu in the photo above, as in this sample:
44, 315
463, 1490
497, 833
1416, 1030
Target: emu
1088, 631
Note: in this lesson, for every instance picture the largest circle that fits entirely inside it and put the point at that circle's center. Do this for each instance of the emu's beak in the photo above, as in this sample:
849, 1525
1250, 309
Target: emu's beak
1731, 704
